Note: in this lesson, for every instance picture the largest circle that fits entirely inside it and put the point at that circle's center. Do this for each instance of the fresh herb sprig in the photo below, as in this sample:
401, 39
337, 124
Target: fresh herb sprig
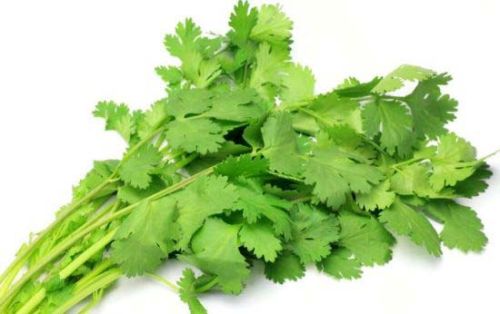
241, 163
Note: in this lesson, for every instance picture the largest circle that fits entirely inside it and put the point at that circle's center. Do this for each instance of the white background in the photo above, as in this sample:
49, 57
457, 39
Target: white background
58, 58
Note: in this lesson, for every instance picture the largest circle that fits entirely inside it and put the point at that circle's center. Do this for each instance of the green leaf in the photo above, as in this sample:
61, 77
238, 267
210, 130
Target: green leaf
451, 163
242, 21
188, 294
405, 220
393, 122
138, 168
216, 251
334, 175
201, 135
146, 237
131, 195
117, 117
395, 80
193, 50
270, 65
313, 232
260, 239
431, 109
99, 173
476, 183
365, 238
256, 205
203, 198
286, 267
297, 86
462, 228
272, 25
245, 166
341, 264
281, 145
379, 197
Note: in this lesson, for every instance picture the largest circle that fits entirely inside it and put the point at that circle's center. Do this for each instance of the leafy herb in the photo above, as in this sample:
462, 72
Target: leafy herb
241, 162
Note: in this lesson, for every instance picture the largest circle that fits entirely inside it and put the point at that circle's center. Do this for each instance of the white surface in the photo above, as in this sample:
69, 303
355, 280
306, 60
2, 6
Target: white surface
58, 58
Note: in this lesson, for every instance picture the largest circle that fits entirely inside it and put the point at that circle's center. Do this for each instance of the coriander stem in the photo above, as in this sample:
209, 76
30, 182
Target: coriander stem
10, 273
62, 246
88, 253
33, 302
19, 261
102, 281
163, 281
96, 271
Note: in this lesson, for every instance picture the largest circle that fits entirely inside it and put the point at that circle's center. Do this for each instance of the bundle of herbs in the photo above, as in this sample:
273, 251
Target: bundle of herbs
241, 163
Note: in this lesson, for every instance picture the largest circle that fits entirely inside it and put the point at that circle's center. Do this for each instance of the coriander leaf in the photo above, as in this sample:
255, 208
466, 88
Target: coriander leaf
269, 69
152, 119
297, 86
192, 49
312, 233
412, 180
117, 117
256, 204
240, 105
405, 220
205, 197
242, 21
272, 25
474, 184
332, 108
286, 267
101, 171
379, 197
393, 121
171, 75
462, 228
201, 135
366, 238
146, 237
188, 294
431, 109
260, 238
451, 163
341, 264
187, 102
281, 145
131, 195
138, 168
334, 175
395, 80
216, 251
245, 166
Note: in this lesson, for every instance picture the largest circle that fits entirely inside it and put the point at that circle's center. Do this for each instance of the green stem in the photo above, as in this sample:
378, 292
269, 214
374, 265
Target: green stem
23, 256
68, 242
209, 285
96, 271
13, 269
102, 282
407, 162
163, 281
29, 306
88, 253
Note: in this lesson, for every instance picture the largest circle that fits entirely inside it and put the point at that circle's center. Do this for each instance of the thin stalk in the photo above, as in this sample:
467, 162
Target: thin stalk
96, 271
68, 242
23, 256
33, 302
13, 269
88, 253
163, 281
102, 282
209, 285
